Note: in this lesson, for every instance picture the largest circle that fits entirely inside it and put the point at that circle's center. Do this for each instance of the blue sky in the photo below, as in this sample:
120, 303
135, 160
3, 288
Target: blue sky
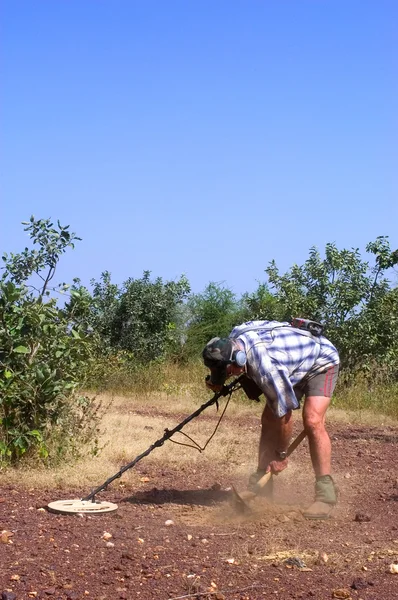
199, 137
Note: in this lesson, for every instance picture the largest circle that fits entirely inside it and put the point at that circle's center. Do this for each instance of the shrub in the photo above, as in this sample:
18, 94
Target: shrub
44, 357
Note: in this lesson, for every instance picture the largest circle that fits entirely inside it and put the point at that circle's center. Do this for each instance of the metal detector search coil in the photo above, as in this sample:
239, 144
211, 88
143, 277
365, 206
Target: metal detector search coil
79, 506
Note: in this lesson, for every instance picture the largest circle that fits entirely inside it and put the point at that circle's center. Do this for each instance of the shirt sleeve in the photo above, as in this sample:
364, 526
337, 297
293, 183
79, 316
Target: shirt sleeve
273, 379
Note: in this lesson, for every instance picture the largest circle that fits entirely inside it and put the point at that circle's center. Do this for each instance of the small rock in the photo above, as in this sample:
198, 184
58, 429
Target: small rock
189, 537
342, 594
127, 556
110, 545
8, 596
362, 518
294, 515
5, 536
50, 591
283, 518
359, 584
169, 523
106, 535
323, 557
393, 568
295, 561
216, 487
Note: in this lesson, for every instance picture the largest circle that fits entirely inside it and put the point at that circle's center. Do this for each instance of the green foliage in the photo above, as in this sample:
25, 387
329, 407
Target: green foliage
212, 313
44, 356
140, 323
261, 305
146, 321
330, 289
51, 244
352, 298
106, 296
146, 317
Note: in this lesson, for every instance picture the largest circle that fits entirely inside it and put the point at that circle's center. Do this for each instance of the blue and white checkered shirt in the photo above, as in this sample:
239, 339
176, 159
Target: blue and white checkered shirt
279, 356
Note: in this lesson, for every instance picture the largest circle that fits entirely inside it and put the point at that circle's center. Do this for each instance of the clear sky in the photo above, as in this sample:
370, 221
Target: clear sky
199, 137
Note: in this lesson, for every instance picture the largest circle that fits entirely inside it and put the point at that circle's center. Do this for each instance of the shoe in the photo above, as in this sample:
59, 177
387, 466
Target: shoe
265, 492
325, 499
318, 510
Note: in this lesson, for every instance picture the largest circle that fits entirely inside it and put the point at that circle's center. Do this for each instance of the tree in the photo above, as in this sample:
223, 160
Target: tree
44, 357
261, 305
346, 294
212, 313
146, 317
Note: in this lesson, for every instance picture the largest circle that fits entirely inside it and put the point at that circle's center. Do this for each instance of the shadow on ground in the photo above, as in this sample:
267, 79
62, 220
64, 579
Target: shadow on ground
201, 497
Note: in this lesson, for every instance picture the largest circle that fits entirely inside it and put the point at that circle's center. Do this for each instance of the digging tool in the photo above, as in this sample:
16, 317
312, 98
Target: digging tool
241, 498
89, 504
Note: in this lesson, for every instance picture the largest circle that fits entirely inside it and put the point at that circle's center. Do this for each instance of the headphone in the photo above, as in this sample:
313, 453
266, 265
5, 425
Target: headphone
239, 358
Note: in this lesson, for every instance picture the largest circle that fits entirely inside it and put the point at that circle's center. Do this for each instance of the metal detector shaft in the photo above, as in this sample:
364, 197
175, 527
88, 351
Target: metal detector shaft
225, 391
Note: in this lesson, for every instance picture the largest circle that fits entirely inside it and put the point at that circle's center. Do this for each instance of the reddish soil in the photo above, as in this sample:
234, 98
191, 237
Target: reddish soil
210, 551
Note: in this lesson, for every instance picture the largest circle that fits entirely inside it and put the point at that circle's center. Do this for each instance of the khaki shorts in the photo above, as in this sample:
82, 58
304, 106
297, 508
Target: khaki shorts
322, 384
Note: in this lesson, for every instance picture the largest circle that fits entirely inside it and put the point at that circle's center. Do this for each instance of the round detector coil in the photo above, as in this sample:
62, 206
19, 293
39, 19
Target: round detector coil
77, 506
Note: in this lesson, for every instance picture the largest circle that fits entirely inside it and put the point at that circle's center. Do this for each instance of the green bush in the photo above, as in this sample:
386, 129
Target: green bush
45, 357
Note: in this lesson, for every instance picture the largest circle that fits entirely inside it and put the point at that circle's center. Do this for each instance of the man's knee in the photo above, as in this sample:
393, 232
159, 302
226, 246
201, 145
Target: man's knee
314, 413
312, 422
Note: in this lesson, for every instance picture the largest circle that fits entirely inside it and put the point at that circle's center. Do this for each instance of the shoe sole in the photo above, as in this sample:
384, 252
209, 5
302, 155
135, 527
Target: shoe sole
316, 517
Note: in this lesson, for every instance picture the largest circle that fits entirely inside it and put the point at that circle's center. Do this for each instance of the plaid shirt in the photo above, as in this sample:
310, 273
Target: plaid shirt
280, 356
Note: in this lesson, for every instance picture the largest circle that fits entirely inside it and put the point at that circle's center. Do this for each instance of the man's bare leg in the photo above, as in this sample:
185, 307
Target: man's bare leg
314, 416
314, 413
276, 433
275, 437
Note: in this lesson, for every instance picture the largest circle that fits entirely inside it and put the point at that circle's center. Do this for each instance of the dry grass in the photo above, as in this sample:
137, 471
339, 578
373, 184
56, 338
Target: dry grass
363, 398
131, 426
135, 421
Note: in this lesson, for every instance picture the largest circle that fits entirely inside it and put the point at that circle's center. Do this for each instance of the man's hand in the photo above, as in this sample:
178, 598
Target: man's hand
212, 386
276, 466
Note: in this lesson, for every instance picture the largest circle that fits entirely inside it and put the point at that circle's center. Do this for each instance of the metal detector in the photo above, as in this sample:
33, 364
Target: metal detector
89, 504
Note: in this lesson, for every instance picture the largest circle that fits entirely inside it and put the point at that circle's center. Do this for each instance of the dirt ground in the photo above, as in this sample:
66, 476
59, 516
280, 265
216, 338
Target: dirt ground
177, 535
